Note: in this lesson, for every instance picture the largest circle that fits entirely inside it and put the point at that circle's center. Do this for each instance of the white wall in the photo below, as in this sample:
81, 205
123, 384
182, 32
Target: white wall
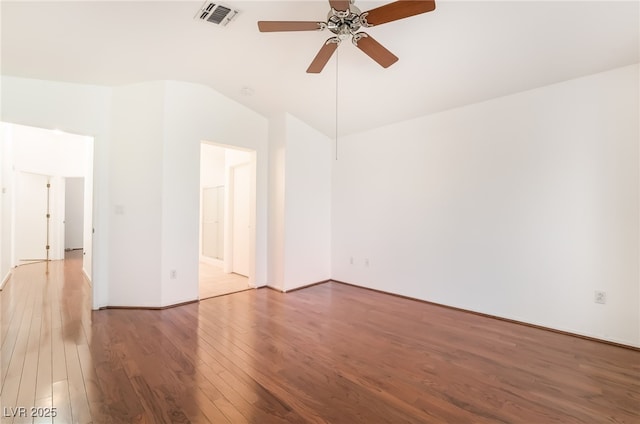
518, 207
307, 209
211, 166
194, 113
49, 152
300, 201
277, 161
135, 192
76, 109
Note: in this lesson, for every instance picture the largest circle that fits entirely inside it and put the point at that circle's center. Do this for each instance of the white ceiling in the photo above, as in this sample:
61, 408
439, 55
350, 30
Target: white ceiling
461, 53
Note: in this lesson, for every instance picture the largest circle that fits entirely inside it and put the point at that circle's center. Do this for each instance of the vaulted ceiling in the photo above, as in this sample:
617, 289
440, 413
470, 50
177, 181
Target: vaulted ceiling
463, 52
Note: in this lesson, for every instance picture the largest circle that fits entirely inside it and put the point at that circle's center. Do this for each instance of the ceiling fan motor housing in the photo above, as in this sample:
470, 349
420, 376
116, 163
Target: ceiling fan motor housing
344, 23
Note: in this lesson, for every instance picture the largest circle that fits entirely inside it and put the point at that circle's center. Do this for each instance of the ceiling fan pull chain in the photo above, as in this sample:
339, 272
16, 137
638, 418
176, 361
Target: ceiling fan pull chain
337, 115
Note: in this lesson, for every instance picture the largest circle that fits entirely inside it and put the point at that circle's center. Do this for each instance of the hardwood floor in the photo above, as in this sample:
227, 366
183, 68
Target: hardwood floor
329, 353
214, 282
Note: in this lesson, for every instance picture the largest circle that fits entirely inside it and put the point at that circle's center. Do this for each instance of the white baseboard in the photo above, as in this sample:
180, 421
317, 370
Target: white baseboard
5, 279
211, 261
87, 276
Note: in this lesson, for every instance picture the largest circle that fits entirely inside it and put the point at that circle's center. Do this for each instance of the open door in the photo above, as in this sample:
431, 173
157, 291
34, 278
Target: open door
241, 237
32, 217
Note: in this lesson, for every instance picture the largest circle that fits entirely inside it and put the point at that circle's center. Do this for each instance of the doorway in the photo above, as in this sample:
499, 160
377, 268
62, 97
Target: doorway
227, 220
47, 184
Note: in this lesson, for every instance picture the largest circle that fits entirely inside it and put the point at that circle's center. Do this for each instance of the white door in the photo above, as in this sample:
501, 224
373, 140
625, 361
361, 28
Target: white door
74, 213
212, 222
31, 194
241, 175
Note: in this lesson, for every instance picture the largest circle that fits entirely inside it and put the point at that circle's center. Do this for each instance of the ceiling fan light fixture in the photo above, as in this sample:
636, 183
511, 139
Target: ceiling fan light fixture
344, 23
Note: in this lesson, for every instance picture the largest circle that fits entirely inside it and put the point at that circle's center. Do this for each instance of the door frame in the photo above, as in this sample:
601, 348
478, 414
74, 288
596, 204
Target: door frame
227, 254
9, 169
233, 214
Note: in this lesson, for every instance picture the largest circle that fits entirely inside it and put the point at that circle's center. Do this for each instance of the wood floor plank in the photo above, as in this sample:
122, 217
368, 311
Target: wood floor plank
151, 402
43, 391
26, 393
15, 354
61, 401
77, 393
209, 408
44, 411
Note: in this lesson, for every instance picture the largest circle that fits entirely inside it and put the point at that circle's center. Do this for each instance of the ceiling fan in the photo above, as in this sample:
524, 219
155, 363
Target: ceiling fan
345, 20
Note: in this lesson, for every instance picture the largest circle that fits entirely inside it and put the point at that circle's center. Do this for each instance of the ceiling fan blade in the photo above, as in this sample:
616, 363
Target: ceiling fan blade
323, 56
398, 10
374, 50
339, 4
274, 26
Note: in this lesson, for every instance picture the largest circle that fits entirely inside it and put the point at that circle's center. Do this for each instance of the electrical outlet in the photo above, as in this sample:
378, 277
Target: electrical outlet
600, 297
351, 260
173, 274
366, 262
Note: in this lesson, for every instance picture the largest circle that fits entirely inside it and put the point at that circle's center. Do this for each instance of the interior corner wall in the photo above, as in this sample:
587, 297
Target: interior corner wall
277, 158
76, 109
307, 205
300, 204
519, 207
195, 113
135, 193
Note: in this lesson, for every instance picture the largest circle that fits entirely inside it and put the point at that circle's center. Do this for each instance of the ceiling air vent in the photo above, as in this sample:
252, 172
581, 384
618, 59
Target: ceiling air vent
216, 13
